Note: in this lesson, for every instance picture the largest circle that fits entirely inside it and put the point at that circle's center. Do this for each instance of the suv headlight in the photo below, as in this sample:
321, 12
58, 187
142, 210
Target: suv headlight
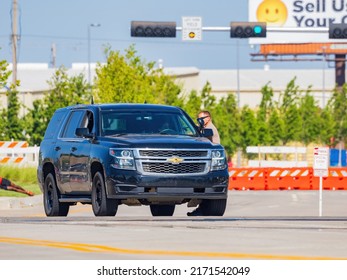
218, 160
123, 159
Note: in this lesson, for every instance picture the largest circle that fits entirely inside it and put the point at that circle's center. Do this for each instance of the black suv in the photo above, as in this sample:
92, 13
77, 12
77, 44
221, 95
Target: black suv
133, 154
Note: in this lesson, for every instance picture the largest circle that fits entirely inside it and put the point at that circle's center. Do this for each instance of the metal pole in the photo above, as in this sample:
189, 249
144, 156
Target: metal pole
14, 42
238, 72
238, 92
89, 53
269, 29
323, 93
89, 71
320, 196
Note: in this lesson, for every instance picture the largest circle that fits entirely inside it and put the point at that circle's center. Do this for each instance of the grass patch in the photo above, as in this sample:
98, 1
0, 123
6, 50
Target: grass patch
23, 176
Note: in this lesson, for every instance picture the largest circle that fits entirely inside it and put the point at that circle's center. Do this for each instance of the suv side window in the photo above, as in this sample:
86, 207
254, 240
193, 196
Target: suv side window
88, 121
54, 124
72, 123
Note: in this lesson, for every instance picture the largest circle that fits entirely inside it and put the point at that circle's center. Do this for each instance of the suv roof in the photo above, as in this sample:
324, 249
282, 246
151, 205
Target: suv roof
127, 106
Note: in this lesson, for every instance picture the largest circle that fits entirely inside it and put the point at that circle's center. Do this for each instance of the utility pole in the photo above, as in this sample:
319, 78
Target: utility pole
14, 39
89, 27
53, 55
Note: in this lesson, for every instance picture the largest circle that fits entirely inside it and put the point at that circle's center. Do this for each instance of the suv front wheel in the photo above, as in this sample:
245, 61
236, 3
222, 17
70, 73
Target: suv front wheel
51, 199
214, 207
102, 206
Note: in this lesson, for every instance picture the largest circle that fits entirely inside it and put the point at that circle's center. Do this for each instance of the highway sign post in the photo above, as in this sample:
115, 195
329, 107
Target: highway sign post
320, 169
191, 28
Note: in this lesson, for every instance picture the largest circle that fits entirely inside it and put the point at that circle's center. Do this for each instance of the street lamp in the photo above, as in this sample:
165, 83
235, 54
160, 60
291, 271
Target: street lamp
89, 27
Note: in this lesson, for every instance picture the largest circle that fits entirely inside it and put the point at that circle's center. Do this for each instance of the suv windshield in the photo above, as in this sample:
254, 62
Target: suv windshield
115, 123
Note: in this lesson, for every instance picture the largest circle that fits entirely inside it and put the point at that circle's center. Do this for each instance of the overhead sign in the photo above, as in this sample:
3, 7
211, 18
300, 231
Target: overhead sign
296, 14
191, 28
321, 162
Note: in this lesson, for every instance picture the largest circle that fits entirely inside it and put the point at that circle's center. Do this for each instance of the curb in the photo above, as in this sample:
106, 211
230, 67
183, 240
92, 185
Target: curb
20, 202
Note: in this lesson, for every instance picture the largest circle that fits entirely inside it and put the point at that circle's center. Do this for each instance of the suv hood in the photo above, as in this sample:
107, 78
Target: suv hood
162, 141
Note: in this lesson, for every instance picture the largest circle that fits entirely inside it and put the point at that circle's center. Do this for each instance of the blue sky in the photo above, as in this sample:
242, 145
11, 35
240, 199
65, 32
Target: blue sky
65, 24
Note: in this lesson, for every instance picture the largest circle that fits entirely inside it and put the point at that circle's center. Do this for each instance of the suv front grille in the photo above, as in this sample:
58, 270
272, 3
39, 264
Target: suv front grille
172, 161
168, 168
171, 153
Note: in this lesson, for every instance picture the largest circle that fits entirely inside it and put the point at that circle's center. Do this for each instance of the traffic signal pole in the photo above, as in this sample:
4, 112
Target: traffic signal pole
245, 30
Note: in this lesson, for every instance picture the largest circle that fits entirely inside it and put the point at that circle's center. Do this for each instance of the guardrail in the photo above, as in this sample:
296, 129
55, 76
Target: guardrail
296, 178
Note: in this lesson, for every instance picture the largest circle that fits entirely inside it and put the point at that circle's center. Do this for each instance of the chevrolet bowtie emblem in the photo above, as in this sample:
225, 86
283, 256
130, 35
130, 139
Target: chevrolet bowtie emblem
175, 160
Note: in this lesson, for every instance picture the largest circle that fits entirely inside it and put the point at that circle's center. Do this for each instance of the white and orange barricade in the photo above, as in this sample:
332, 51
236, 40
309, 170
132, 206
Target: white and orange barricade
296, 178
247, 178
337, 180
17, 153
12, 160
14, 144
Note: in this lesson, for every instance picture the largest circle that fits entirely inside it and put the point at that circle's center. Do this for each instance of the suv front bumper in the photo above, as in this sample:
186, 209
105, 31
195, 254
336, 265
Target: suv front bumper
131, 184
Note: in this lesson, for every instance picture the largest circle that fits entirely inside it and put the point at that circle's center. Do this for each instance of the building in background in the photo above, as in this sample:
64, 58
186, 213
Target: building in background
34, 79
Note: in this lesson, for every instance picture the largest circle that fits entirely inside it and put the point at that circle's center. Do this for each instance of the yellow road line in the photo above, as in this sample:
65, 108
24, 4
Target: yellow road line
107, 249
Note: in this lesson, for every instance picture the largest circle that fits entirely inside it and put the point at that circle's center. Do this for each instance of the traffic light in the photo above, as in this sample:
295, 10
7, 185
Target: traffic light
247, 29
338, 30
153, 29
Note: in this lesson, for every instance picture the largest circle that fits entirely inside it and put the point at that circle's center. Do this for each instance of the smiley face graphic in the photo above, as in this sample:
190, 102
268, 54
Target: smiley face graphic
273, 12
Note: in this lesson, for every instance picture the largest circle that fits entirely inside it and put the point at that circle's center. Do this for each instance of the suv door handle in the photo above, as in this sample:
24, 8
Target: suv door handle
73, 149
57, 148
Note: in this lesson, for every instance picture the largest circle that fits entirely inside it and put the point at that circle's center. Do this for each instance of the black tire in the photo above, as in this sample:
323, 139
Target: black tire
215, 207
162, 210
102, 206
51, 199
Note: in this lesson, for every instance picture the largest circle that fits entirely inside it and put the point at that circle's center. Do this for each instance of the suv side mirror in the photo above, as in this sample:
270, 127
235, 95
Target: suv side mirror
84, 132
207, 132
201, 122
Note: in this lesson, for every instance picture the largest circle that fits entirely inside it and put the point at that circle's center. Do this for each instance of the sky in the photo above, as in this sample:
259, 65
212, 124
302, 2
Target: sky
64, 24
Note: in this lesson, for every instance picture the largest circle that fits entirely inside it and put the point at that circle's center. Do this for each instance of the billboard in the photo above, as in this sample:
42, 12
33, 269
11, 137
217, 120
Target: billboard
297, 14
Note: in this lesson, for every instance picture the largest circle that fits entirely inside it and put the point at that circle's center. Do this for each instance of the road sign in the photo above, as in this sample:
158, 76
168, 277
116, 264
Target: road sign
320, 162
191, 28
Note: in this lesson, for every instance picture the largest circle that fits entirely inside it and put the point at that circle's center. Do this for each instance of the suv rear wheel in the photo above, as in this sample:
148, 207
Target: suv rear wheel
51, 199
102, 206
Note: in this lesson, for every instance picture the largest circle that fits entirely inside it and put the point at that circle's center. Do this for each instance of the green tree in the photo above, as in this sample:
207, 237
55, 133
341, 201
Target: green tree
195, 102
289, 112
192, 104
311, 121
11, 125
338, 104
263, 115
4, 73
208, 100
127, 78
249, 129
276, 128
14, 125
327, 127
65, 91
226, 117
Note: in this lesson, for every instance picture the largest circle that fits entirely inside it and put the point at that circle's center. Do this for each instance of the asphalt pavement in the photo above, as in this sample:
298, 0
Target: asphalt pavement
240, 203
20, 202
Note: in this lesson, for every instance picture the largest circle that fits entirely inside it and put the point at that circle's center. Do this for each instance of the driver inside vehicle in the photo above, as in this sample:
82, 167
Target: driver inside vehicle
162, 124
166, 128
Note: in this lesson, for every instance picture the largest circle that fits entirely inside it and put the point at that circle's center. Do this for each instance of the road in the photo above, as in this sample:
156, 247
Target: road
263, 225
